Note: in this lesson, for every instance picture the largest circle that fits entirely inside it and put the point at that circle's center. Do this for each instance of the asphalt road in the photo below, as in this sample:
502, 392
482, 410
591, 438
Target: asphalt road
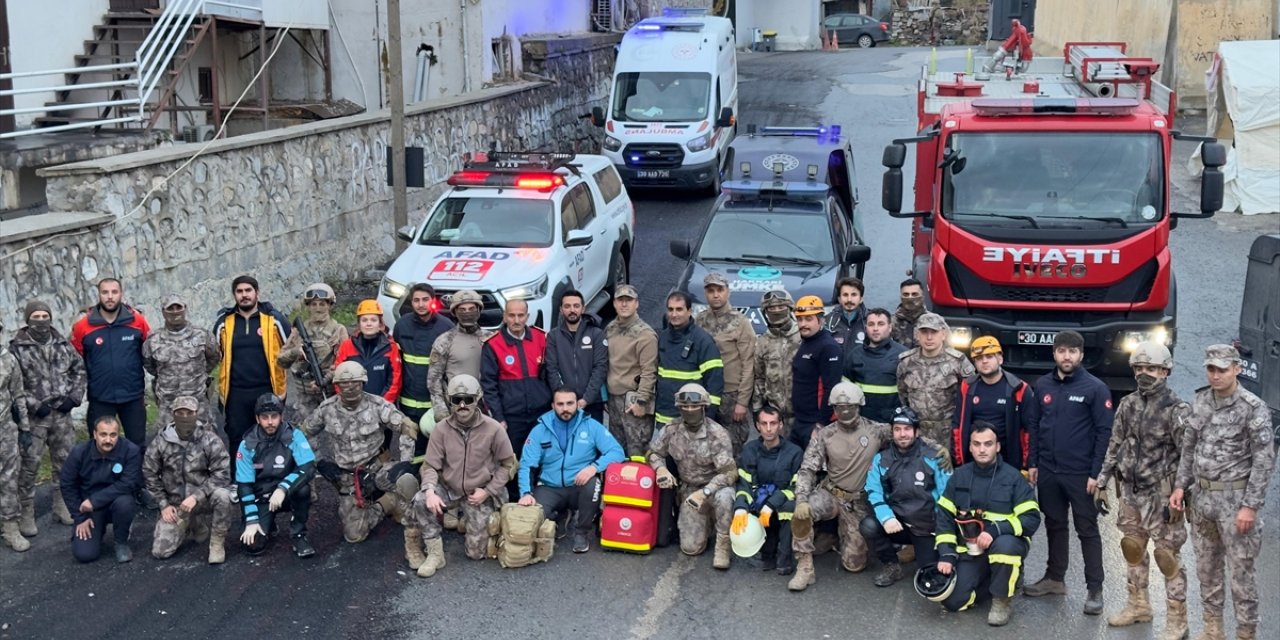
350, 591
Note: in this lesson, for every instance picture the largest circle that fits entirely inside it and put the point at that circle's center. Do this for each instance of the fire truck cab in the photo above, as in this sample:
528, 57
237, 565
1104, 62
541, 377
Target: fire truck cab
1042, 204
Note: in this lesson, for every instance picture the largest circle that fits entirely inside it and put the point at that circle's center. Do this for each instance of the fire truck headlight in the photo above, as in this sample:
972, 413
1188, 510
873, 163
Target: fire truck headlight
1129, 340
961, 337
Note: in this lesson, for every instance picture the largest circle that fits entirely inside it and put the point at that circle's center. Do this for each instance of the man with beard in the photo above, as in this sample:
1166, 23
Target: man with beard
775, 351
469, 460
326, 335
848, 324
416, 332
930, 375
736, 341
250, 336
702, 454
179, 358
578, 355
816, 370
873, 366
686, 353
1067, 449
53, 377
633, 372
274, 469
186, 470
97, 483
457, 351
513, 367
1142, 457
910, 308
998, 398
15, 434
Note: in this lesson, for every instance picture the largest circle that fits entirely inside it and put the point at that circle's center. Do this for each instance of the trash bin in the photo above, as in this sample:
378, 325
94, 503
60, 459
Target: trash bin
768, 40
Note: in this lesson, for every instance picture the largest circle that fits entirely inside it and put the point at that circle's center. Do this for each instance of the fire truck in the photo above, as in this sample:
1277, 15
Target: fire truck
1042, 204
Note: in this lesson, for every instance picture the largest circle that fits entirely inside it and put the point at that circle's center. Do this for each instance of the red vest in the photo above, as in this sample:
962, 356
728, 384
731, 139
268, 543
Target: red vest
511, 366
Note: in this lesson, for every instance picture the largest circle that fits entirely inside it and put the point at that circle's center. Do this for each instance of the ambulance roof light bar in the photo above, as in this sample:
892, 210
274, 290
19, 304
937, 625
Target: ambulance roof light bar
997, 107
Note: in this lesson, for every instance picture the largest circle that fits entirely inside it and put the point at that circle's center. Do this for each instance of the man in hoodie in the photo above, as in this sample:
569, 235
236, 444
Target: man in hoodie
371, 345
274, 469
53, 377
179, 358
250, 336
514, 377
775, 350
686, 353
185, 468
416, 332
910, 308
578, 355
571, 449
326, 336
736, 340
873, 366
15, 434
633, 372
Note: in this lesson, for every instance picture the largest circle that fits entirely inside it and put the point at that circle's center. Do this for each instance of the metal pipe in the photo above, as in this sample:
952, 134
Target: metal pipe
68, 87
53, 72
67, 107
68, 127
466, 53
417, 79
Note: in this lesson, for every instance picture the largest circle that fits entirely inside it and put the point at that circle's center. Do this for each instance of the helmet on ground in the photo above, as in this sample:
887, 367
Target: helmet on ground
846, 393
984, 345
1151, 354
319, 291
932, 584
465, 296
749, 542
464, 385
268, 403
775, 297
693, 393
809, 306
427, 423
905, 415
368, 308
350, 371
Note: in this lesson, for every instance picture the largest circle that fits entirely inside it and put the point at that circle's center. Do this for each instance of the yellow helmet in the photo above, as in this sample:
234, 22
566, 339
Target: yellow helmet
984, 345
809, 306
368, 308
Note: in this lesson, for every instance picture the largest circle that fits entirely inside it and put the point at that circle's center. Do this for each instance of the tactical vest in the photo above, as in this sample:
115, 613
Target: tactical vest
272, 458
908, 486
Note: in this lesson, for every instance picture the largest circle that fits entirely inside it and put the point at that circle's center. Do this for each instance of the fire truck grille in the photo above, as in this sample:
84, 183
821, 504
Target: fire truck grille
1046, 294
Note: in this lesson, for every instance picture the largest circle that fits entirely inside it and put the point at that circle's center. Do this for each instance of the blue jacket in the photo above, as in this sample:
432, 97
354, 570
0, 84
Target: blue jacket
112, 353
1075, 424
100, 479
906, 485
686, 354
560, 450
816, 368
265, 463
874, 368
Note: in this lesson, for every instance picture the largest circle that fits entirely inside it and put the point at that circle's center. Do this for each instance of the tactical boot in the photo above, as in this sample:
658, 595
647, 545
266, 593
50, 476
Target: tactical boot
1212, 628
27, 525
413, 547
217, 553
1045, 587
889, 574
1138, 609
1175, 624
13, 537
1246, 632
302, 547
60, 512
721, 561
1000, 611
804, 573
451, 520
435, 558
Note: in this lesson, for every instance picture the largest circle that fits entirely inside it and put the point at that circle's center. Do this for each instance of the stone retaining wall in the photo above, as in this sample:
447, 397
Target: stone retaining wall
941, 26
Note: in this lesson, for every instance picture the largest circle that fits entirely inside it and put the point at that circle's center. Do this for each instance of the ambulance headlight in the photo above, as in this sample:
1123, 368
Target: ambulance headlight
699, 143
612, 144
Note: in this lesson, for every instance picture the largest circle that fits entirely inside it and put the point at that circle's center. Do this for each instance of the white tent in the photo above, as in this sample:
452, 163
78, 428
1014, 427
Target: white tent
1247, 105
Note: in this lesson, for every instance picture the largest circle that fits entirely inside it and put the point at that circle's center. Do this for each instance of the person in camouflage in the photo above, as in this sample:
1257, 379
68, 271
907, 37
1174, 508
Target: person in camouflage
458, 350
54, 379
775, 349
910, 308
356, 422
633, 372
929, 377
326, 335
186, 469
179, 358
1142, 457
703, 455
737, 343
15, 434
1227, 460
468, 463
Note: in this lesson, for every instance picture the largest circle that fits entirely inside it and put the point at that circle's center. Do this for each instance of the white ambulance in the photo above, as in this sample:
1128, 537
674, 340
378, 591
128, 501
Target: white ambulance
671, 111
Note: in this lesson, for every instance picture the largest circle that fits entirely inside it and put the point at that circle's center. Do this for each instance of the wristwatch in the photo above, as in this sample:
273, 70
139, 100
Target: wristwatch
706, 491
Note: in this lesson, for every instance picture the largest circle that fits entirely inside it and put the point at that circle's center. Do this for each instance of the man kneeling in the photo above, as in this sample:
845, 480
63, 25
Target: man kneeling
274, 468
185, 468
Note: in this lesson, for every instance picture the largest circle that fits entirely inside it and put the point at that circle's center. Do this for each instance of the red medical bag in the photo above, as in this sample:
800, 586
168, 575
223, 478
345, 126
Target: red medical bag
629, 521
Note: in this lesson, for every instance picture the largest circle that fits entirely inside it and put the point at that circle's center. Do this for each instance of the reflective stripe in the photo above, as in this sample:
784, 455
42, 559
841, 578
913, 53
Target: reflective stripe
947, 504
661, 419
626, 546
944, 538
412, 359
633, 502
743, 494
1004, 517
415, 404
791, 495
711, 364
785, 515
676, 374
1004, 558
973, 596
713, 399
742, 473
877, 388
1029, 505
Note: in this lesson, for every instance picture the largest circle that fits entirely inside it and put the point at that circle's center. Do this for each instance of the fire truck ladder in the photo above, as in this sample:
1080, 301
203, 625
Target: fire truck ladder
1106, 62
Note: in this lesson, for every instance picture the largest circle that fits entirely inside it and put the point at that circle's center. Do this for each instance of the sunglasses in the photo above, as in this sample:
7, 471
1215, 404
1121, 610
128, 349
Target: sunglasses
462, 401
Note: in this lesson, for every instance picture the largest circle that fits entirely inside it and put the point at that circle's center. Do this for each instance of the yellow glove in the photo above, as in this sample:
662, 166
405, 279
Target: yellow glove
665, 479
739, 524
765, 514
803, 512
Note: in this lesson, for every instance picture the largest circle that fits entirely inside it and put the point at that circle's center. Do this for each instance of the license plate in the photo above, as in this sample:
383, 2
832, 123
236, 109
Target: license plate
1037, 338
1248, 369
654, 173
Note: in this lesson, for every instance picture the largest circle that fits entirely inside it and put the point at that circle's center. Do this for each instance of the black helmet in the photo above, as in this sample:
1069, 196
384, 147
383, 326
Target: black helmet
905, 415
932, 584
268, 403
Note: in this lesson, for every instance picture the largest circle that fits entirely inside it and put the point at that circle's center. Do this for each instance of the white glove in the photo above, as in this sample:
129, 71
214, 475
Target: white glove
250, 532
277, 500
892, 526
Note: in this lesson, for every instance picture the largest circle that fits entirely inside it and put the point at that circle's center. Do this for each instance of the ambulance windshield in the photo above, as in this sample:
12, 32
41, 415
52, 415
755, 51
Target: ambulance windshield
662, 96
1053, 179
489, 222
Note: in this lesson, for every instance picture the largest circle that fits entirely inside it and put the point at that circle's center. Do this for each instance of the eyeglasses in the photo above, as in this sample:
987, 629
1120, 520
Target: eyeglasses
462, 401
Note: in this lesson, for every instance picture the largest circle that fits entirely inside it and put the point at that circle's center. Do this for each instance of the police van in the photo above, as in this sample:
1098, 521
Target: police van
671, 110
520, 226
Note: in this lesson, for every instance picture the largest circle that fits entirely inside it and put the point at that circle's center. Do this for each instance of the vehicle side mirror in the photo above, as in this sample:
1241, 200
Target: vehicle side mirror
597, 116
726, 118
1213, 154
681, 249
406, 233
895, 156
857, 254
891, 191
1211, 188
578, 238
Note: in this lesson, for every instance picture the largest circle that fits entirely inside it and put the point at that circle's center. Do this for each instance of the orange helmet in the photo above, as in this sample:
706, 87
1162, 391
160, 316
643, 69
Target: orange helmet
368, 308
983, 346
809, 306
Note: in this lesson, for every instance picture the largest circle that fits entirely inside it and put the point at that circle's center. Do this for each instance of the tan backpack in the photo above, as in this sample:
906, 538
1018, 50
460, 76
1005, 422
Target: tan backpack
521, 535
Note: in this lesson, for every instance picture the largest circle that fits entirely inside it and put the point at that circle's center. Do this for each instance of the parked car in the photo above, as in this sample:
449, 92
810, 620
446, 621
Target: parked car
857, 29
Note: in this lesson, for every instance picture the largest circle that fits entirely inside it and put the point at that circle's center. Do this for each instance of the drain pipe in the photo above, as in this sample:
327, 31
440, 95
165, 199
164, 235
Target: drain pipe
466, 52
426, 58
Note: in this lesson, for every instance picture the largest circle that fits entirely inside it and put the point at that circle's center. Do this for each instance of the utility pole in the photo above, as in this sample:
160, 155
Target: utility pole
400, 205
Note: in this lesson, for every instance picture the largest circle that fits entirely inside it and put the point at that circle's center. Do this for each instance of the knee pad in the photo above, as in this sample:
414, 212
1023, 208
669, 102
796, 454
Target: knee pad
693, 547
801, 528
1133, 549
1168, 561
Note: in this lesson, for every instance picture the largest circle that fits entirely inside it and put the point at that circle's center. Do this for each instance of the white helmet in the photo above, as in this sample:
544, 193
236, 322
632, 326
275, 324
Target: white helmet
1151, 354
427, 423
749, 542
350, 371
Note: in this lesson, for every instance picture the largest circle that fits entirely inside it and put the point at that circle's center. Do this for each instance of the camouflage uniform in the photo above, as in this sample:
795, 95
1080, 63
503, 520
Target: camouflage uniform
1142, 457
180, 362
357, 437
704, 458
930, 386
775, 349
904, 326
51, 371
455, 352
737, 343
633, 368
12, 394
175, 470
1227, 460
325, 338
846, 455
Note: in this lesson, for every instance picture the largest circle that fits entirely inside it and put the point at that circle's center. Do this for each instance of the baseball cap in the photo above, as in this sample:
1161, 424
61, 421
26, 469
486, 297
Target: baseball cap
185, 402
1221, 356
626, 291
932, 321
716, 278
171, 299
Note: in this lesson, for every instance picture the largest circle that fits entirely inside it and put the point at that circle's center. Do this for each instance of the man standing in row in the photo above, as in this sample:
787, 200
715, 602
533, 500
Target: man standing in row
775, 351
999, 398
873, 366
736, 341
457, 351
250, 336
578, 355
686, 354
416, 332
15, 435
514, 377
180, 357
848, 324
185, 469
929, 377
633, 373
816, 370
326, 336
910, 308
54, 380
